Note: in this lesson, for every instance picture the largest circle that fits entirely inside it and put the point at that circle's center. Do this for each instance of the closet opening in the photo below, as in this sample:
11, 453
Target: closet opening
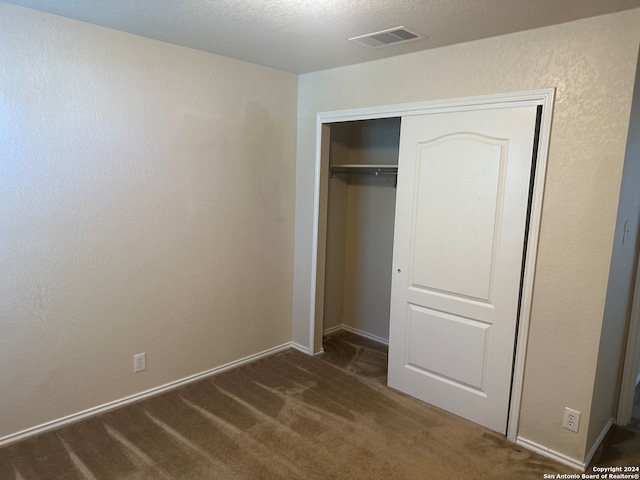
361, 180
350, 273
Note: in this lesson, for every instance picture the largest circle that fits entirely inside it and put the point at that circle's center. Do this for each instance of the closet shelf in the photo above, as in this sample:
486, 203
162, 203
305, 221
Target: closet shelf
365, 169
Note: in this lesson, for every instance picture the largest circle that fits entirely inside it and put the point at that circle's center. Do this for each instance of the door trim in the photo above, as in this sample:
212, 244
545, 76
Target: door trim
544, 98
631, 356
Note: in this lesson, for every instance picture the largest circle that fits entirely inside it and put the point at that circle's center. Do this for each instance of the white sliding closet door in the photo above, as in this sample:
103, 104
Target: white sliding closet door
461, 211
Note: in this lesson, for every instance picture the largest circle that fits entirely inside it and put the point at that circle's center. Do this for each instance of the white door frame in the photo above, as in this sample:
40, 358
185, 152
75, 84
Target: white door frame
631, 356
543, 98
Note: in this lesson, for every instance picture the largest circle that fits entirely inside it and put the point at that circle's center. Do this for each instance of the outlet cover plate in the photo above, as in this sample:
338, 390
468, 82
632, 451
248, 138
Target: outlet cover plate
571, 420
139, 362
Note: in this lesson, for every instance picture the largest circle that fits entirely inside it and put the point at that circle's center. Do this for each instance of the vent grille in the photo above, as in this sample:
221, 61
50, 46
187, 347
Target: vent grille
384, 38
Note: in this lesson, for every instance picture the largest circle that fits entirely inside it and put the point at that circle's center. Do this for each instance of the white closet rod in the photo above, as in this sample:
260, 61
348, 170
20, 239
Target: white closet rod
377, 170
342, 172
365, 169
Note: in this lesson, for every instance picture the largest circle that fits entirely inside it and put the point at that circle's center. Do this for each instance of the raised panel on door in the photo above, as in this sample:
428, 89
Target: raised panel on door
447, 347
459, 179
463, 190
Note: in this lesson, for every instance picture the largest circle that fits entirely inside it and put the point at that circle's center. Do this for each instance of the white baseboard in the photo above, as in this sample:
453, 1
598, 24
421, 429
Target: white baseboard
305, 350
74, 417
356, 331
562, 458
329, 331
300, 348
597, 443
549, 453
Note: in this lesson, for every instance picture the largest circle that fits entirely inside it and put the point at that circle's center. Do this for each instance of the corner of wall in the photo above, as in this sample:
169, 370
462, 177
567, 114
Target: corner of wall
624, 257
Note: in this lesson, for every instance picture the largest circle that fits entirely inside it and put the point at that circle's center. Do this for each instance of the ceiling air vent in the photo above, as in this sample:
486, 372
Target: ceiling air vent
391, 36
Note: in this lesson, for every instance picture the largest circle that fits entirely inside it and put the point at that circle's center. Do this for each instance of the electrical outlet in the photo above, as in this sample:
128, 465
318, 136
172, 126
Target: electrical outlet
138, 362
571, 419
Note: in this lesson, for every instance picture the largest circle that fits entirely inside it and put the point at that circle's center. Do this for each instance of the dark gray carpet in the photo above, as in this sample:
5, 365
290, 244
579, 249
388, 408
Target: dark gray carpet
285, 416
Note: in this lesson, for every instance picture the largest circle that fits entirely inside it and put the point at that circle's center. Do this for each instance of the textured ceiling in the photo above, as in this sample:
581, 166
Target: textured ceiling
302, 36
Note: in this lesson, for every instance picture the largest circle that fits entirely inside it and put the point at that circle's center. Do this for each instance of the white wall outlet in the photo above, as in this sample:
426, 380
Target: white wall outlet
571, 419
138, 362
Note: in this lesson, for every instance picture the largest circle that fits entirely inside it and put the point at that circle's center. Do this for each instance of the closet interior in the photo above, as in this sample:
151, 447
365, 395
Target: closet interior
363, 164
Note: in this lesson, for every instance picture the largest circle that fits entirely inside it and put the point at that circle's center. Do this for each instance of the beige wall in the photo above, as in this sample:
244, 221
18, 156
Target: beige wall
146, 205
369, 252
621, 280
591, 63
